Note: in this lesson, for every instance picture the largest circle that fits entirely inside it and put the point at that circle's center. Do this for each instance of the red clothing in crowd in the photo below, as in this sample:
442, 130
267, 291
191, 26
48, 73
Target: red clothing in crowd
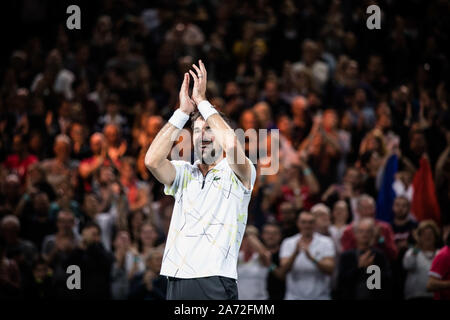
13, 162
440, 268
348, 239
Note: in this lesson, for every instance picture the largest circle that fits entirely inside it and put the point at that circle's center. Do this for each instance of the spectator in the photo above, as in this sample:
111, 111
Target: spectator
340, 217
323, 219
271, 237
96, 263
439, 275
353, 263
9, 275
307, 259
148, 285
253, 267
417, 261
20, 160
384, 236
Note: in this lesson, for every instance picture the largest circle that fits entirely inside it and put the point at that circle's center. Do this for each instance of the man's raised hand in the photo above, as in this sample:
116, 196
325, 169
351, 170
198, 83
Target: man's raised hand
186, 103
200, 80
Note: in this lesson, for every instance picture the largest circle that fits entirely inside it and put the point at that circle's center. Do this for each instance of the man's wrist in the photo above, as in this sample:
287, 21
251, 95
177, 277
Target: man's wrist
206, 109
179, 118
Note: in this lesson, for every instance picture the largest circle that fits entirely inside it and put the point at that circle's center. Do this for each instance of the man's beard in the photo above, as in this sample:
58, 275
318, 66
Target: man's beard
207, 156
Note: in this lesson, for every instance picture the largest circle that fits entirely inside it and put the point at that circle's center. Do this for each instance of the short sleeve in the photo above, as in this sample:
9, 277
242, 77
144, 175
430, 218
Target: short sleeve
180, 177
439, 266
237, 182
287, 248
327, 249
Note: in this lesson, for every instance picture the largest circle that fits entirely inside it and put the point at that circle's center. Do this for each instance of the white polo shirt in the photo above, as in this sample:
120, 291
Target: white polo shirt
208, 221
305, 281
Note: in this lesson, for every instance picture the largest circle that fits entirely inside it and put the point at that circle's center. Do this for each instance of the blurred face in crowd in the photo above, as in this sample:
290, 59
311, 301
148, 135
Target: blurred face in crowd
384, 116
351, 176
329, 120
401, 207
111, 133
77, 133
40, 271
248, 120
418, 143
122, 240
366, 207
364, 233
309, 52
12, 187
322, 219
148, 234
205, 145
65, 222
306, 223
18, 145
62, 149
10, 230
154, 124
262, 112
340, 212
374, 162
271, 90
106, 175
154, 261
127, 171
284, 124
271, 235
298, 107
91, 205
41, 204
96, 143
288, 216
427, 238
91, 235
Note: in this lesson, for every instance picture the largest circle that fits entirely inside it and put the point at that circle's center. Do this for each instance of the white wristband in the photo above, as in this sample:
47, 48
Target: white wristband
179, 119
206, 109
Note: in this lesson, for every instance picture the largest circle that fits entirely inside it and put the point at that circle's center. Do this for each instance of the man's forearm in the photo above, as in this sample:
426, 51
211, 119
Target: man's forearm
435, 284
161, 146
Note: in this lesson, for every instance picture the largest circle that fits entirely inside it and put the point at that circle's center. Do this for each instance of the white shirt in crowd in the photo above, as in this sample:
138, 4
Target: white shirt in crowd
208, 221
252, 275
417, 268
305, 281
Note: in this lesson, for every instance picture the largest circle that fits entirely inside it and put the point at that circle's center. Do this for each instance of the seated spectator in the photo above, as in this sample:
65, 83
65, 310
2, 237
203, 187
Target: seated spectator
41, 286
149, 284
135, 190
19, 161
339, 219
60, 167
95, 262
65, 224
116, 147
22, 251
11, 196
417, 261
439, 274
127, 264
307, 260
322, 217
271, 237
77, 134
9, 275
253, 267
384, 236
148, 239
353, 263
403, 224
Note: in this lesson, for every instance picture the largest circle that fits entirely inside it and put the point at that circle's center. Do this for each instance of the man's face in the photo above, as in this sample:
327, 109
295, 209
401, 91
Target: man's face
205, 145
271, 235
306, 223
96, 144
401, 208
366, 209
62, 149
65, 222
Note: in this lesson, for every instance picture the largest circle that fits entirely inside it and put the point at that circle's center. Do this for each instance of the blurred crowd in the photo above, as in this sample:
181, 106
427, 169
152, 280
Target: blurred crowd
364, 135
